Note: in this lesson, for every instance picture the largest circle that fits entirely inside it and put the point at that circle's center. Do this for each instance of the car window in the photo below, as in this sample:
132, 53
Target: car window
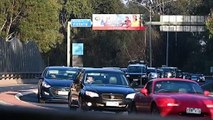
136, 69
177, 87
61, 74
105, 78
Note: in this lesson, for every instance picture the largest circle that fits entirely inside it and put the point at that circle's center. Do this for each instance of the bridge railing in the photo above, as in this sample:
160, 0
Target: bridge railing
19, 75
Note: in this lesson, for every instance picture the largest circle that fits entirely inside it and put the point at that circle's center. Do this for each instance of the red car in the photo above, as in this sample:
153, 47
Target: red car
173, 96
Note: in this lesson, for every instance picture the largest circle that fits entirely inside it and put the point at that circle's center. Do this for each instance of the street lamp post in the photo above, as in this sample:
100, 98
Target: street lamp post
167, 49
150, 36
150, 32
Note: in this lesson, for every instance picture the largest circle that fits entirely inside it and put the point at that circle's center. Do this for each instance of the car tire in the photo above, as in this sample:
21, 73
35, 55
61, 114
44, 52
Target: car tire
82, 105
155, 110
39, 97
71, 107
132, 108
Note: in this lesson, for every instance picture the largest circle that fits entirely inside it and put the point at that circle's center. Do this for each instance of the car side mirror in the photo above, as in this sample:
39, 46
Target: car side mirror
206, 93
144, 91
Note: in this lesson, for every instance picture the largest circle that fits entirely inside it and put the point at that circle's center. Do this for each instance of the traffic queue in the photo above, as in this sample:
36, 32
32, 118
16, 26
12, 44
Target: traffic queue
136, 89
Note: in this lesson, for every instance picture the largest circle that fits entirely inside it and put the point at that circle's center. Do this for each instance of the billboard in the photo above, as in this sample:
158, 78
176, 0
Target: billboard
117, 22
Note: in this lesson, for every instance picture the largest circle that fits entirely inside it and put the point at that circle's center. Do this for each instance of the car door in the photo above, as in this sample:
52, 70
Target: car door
41, 79
145, 100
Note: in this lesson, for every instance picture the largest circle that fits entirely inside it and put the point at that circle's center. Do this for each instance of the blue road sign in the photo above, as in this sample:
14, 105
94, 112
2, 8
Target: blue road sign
81, 23
77, 49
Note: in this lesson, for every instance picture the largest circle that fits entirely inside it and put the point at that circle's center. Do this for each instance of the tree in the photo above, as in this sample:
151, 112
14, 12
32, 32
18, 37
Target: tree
209, 24
31, 20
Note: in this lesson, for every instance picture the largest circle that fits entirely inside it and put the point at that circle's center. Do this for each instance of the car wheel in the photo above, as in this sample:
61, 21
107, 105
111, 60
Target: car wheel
70, 103
82, 105
132, 108
155, 110
39, 97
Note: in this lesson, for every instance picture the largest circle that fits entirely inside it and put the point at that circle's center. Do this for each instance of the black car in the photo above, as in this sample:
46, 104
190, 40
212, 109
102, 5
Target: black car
208, 87
169, 72
197, 77
101, 89
55, 82
152, 73
137, 74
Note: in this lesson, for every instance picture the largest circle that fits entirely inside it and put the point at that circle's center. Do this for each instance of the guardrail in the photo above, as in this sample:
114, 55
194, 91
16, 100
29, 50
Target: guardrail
19, 75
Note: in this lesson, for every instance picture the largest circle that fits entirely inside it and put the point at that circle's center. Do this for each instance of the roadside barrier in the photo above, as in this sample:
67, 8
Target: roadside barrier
17, 75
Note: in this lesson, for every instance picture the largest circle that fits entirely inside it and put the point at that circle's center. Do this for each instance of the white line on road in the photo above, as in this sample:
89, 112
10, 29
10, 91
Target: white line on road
4, 103
18, 95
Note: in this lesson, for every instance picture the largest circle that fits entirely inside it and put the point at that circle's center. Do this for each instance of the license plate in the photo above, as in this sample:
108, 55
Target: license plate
193, 110
135, 79
62, 92
112, 104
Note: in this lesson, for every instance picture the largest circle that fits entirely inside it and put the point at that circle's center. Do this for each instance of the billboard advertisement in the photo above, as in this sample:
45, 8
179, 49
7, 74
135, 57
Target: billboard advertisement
117, 22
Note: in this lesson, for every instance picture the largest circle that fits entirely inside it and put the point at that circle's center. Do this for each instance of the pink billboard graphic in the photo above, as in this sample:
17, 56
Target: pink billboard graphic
117, 22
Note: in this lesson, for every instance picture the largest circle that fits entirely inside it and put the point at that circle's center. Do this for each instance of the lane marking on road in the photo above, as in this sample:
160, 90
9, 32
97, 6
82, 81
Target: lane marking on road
18, 95
4, 103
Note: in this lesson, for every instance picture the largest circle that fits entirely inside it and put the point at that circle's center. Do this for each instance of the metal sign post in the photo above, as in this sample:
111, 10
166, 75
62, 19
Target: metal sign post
74, 23
68, 44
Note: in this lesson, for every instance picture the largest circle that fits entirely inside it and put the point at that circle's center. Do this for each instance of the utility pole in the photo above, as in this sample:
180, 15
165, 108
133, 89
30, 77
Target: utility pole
150, 34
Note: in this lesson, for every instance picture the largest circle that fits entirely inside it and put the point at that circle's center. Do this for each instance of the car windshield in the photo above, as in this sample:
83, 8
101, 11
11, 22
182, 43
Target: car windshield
168, 69
151, 70
61, 74
136, 69
177, 87
105, 78
194, 77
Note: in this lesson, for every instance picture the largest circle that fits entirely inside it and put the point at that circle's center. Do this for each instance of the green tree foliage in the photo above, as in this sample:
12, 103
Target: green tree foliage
209, 24
45, 21
31, 20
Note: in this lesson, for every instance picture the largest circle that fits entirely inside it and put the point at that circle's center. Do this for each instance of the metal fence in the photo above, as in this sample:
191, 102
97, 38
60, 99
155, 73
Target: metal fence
16, 56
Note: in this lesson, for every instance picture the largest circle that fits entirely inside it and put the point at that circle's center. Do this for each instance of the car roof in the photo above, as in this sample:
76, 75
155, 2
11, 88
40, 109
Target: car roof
61, 67
102, 70
151, 68
137, 64
169, 67
178, 79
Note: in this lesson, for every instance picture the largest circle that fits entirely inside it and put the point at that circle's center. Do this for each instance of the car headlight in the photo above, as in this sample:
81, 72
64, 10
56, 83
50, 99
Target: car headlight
173, 104
143, 76
130, 96
44, 84
169, 75
209, 105
91, 94
154, 75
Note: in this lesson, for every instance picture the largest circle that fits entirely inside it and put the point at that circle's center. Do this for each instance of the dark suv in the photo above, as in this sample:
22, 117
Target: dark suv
101, 89
137, 74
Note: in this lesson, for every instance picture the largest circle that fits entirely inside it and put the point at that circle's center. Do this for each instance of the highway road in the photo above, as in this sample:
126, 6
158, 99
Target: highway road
26, 96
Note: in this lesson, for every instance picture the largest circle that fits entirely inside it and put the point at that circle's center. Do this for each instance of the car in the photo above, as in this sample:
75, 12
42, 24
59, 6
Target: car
123, 69
169, 72
100, 89
197, 77
208, 87
152, 73
136, 73
173, 97
54, 83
